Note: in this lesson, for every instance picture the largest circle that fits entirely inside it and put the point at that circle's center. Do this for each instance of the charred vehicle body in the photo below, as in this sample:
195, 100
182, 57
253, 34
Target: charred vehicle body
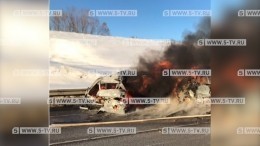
109, 94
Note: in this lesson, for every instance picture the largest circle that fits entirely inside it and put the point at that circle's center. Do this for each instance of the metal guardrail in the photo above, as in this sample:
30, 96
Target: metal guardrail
67, 92
134, 121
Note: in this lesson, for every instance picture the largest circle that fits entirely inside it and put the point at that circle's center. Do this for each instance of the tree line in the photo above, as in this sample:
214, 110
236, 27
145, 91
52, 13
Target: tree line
79, 21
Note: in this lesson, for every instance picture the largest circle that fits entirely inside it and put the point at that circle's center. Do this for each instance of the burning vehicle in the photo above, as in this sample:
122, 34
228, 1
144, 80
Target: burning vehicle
111, 93
108, 92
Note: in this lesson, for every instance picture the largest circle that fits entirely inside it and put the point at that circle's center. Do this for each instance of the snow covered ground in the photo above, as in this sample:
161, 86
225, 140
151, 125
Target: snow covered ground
76, 60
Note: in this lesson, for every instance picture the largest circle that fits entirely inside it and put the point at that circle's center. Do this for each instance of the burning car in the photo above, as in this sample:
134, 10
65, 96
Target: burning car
109, 94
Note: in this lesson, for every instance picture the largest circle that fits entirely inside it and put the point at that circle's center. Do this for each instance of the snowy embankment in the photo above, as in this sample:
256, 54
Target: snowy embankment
76, 60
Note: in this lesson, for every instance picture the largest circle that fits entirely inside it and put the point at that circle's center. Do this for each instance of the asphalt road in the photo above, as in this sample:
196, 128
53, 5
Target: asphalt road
148, 133
154, 138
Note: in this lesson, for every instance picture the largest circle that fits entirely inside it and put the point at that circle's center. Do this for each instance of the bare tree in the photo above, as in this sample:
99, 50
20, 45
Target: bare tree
83, 21
93, 26
104, 30
56, 23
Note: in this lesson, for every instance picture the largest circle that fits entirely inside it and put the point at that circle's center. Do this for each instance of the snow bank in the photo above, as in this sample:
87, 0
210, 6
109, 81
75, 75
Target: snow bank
76, 60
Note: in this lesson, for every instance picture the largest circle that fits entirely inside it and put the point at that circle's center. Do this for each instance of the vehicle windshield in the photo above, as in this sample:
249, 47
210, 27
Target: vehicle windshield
108, 86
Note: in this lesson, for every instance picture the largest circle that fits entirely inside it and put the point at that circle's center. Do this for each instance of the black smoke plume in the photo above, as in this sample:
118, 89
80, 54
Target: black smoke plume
185, 55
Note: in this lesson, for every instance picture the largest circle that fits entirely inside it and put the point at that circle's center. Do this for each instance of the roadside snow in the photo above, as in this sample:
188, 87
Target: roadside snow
76, 60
